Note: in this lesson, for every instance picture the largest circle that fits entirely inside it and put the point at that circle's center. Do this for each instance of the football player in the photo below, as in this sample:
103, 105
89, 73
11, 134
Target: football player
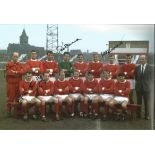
81, 66
28, 90
106, 91
50, 65
66, 65
35, 66
62, 90
90, 89
76, 88
95, 67
128, 69
121, 92
46, 92
112, 67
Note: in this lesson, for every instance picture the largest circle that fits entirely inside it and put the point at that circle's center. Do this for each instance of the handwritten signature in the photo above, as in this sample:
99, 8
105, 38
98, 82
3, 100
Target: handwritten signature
67, 45
110, 50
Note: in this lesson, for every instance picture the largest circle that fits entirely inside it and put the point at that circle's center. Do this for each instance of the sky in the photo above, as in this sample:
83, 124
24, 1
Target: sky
94, 37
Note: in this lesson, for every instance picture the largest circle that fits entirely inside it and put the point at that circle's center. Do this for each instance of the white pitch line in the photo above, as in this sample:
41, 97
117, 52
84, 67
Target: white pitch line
98, 124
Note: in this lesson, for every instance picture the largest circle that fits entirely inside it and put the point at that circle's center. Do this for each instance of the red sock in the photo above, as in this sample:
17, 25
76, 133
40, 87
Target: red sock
85, 107
36, 108
95, 107
57, 107
25, 109
43, 109
114, 109
81, 106
106, 109
73, 107
67, 107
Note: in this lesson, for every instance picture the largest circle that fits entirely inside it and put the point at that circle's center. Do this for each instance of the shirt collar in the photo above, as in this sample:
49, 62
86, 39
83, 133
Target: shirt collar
28, 81
107, 79
34, 60
143, 65
60, 80
49, 61
75, 79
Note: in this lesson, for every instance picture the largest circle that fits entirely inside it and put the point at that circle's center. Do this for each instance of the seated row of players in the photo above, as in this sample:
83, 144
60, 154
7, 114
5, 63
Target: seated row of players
15, 70
88, 95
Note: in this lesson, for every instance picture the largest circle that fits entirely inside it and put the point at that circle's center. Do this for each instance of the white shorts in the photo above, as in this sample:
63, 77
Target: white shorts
28, 98
36, 78
106, 96
62, 97
47, 99
121, 99
132, 83
91, 96
75, 96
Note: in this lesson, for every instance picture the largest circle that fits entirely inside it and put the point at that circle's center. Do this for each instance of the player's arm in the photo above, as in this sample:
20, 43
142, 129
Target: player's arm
95, 90
21, 89
51, 90
40, 89
127, 90
34, 89
41, 68
132, 72
56, 68
116, 91
9, 70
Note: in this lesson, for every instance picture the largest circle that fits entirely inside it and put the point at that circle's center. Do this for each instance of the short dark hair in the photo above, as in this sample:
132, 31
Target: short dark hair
121, 74
106, 71
29, 72
66, 53
51, 52
89, 73
33, 51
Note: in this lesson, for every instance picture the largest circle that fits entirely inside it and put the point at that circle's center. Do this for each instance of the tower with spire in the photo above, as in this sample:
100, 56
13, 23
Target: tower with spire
23, 38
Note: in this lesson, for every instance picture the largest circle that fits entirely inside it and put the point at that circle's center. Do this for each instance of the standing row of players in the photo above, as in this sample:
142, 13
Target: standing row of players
108, 80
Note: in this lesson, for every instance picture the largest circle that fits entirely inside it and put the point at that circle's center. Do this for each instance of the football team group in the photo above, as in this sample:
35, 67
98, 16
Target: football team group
80, 88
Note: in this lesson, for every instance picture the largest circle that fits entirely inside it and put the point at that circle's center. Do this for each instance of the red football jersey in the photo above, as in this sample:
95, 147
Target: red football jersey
62, 87
122, 88
45, 88
129, 70
14, 72
52, 65
112, 68
76, 85
95, 68
82, 67
28, 88
106, 86
32, 64
90, 87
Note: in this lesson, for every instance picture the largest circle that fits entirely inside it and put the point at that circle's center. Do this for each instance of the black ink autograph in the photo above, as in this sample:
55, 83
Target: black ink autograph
110, 50
67, 45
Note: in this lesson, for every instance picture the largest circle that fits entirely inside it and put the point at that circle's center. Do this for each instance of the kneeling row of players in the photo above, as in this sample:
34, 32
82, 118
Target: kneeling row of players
73, 91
